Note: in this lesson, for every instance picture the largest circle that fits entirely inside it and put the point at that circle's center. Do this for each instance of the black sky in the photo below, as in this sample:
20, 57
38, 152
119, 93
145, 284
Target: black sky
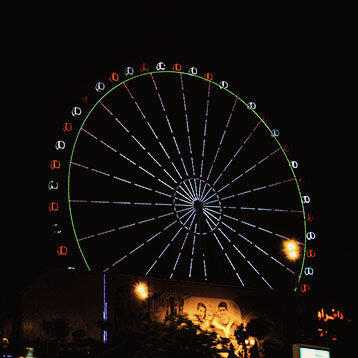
297, 61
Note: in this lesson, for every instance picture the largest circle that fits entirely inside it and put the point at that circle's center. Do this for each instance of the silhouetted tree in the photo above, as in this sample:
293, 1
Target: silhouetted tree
178, 337
78, 336
260, 327
275, 348
57, 328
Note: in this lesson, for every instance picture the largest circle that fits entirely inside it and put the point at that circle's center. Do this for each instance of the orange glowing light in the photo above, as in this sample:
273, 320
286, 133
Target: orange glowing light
291, 249
291, 246
141, 290
143, 294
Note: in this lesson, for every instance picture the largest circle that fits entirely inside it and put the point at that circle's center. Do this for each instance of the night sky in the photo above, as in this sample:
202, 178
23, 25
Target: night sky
298, 62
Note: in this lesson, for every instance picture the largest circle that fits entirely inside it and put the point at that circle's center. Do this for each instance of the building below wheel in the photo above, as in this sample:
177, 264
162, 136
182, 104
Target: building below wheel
84, 299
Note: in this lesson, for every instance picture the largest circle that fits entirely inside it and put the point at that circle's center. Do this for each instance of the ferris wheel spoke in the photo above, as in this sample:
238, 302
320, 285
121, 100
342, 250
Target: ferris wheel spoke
192, 188
178, 257
222, 139
266, 230
257, 228
192, 252
181, 249
272, 210
169, 125
141, 245
195, 188
190, 212
153, 132
212, 210
189, 203
252, 190
126, 203
163, 251
247, 261
187, 199
188, 194
205, 131
147, 152
247, 170
210, 217
259, 249
128, 159
187, 125
191, 192
192, 217
203, 197
135, 223
227, 256
236, 153
199, 190
120, 179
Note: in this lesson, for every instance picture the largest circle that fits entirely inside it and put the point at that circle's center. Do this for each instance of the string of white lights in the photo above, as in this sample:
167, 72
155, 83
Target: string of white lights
120, 179
192, 252
227, 256
249, 263
165, 249
222, 138
257, 227
132, 224
169, 125
251, 190
205, 130
142, 244
187, 125
153, 132
256, 247
139, 143
272, 210
128, 159
236, 153
181, 249
243, 173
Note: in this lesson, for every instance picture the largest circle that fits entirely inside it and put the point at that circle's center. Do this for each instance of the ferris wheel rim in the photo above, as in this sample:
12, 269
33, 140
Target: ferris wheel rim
202, 78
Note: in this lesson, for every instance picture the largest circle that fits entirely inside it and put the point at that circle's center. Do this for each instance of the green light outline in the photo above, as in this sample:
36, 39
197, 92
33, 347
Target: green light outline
233, 94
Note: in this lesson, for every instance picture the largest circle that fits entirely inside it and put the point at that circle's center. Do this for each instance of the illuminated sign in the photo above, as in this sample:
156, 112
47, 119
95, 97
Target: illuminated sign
327, 319
308, 351
333, 315
219, 316
313, 353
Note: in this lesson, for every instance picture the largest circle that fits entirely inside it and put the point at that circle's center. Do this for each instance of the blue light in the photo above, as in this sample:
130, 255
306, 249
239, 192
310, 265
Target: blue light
104, 308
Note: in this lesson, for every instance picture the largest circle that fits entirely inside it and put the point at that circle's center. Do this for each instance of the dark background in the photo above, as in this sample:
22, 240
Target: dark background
298, 62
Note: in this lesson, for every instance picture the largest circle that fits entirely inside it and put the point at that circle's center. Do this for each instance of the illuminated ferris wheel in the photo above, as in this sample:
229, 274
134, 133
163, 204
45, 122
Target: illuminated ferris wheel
173, 175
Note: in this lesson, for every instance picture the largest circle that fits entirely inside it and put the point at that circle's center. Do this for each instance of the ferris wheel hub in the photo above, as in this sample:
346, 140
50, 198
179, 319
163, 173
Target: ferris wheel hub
198, 205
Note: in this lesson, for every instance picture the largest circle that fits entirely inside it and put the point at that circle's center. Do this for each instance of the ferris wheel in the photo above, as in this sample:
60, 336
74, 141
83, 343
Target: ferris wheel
173, 175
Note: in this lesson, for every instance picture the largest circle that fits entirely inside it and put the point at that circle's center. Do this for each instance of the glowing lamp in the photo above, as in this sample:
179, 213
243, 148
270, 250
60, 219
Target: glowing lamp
291, 249
144, 295
291, 246
141, 291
